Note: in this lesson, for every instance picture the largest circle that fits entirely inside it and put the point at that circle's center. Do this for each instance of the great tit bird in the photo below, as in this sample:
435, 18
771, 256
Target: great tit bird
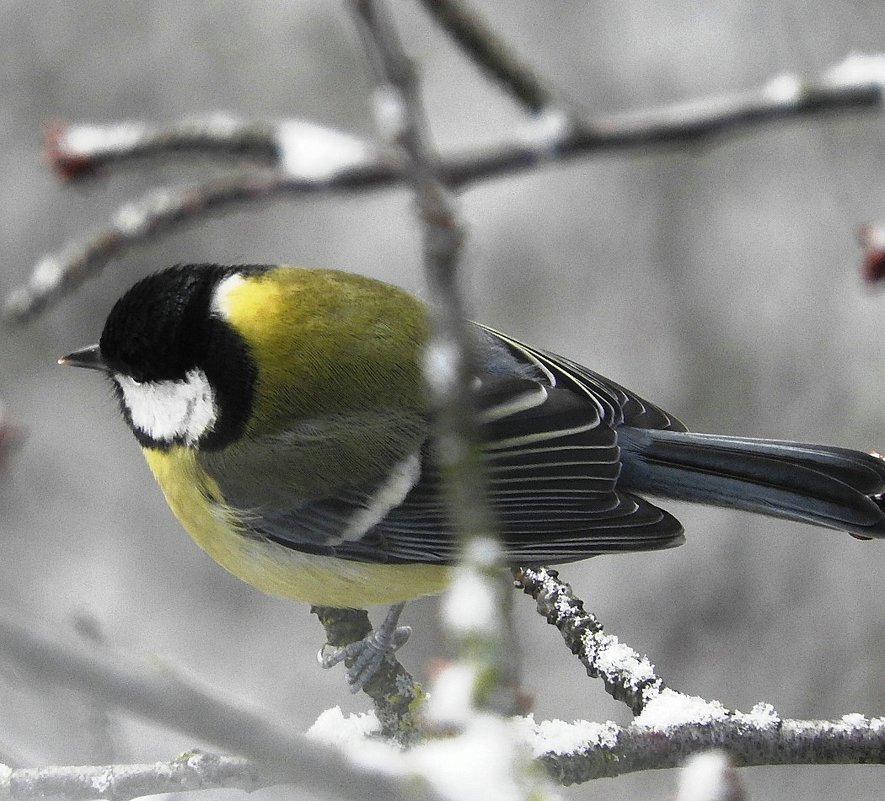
283, 413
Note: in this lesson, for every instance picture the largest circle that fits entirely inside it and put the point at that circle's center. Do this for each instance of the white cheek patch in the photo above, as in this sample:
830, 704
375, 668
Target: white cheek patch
170, 411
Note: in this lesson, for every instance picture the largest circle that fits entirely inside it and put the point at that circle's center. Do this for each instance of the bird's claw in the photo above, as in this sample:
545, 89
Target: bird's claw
367, 655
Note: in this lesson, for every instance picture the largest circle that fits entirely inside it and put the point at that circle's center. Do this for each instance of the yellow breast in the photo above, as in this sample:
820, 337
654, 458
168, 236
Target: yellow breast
197, 503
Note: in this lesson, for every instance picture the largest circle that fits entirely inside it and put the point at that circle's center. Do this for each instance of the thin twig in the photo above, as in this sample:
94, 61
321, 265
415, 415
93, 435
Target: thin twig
159, 212
103, 732
75, 152
400, 105
11, 439
481, 44
626, 676
488, 644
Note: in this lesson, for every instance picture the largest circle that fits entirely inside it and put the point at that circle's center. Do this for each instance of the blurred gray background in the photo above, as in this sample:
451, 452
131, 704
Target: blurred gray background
721, 281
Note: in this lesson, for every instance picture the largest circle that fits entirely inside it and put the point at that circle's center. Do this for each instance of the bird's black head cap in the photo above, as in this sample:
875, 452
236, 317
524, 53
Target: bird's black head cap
163, 327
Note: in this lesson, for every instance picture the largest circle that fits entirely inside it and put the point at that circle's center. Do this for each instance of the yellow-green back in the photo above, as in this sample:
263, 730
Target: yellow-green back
327, 343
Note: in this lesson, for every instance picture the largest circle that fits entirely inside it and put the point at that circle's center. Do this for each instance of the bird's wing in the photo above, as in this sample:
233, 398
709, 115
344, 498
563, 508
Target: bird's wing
618, 405
549, 444
552, 463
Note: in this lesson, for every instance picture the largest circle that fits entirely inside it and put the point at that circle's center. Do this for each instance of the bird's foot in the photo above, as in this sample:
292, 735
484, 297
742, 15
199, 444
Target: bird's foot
364, 657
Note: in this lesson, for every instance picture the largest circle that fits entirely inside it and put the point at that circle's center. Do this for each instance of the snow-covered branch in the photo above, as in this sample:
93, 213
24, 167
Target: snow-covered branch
674, 727
305, 149
627, 676
302, 149
671, 725
191, 771
757, 738
307, 164
571, 753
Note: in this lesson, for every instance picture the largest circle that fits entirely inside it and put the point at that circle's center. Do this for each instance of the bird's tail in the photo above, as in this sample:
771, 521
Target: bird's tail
831, 487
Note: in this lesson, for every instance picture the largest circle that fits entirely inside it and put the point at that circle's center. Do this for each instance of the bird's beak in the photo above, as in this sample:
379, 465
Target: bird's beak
89, 357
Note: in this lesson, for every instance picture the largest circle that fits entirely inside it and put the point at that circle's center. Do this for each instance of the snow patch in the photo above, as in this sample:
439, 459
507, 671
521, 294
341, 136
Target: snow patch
316, 152
856, 70
761, 716
451, 701
90, 139
471, 604
101, 782
487, 762
669, 709
135, 218
333, 727
561, 737
546, 132
390, 112
708, 777
47, 275
615, 658
441, 360
784, 89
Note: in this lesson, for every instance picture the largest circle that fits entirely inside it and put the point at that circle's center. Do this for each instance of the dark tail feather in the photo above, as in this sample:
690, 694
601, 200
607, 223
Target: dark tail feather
831, 487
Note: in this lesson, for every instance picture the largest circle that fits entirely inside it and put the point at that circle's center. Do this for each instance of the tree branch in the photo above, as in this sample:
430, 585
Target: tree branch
488, 644
626, 676
170, 698
850, 86
782, 98
670, 725
161, 211
583, 752
190, 771
853, 740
